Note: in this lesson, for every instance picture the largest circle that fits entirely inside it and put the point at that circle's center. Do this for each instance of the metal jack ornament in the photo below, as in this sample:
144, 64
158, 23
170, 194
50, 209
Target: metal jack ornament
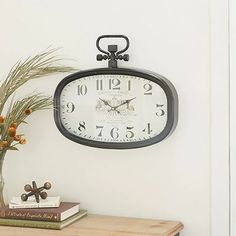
34, 190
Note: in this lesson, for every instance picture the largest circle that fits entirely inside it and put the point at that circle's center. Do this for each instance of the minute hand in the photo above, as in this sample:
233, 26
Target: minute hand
123, 103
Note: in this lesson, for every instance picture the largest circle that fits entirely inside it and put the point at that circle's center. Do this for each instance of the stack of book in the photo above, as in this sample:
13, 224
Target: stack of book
48, 218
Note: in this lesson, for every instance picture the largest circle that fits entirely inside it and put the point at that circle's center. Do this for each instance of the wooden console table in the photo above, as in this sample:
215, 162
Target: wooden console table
97, 225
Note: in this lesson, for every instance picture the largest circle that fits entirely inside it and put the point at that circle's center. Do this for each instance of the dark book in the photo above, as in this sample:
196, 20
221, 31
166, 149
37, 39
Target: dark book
43, 224
61, 213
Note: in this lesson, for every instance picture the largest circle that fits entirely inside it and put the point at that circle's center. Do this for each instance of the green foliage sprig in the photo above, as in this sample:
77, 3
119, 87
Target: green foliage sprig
38, 66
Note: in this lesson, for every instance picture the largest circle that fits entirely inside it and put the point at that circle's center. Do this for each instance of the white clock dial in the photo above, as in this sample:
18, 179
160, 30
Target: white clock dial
113, 108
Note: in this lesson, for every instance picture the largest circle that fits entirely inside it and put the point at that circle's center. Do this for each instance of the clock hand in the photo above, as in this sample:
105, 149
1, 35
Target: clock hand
106, 103
114, 108
129, 100
123, 103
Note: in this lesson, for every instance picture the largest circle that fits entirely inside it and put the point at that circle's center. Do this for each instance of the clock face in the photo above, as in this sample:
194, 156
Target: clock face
115, 109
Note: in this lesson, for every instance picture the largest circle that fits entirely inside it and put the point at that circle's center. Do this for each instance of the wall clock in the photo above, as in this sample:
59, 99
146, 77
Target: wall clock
113, 107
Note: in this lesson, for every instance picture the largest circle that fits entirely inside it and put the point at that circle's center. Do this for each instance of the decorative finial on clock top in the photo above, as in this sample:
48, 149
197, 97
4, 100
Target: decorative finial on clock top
112, 55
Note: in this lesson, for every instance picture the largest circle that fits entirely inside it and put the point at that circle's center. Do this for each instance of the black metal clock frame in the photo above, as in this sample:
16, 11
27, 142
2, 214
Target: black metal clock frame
172, 107
112, 55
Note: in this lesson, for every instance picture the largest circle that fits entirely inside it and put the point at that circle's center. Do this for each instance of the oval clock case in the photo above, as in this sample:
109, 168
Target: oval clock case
115, 108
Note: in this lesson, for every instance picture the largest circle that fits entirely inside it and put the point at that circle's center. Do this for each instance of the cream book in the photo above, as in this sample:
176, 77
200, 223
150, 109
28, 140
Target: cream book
16, 202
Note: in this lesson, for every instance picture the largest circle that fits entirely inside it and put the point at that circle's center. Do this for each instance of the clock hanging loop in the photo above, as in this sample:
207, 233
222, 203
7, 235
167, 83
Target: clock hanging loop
112, 54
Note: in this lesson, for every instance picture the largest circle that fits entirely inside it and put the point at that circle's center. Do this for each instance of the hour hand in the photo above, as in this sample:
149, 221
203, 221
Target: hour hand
112, 108
105, 102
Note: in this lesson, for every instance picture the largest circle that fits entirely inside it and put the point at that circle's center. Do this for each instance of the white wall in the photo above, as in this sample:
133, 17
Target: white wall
169, 180
233, 116
220, 127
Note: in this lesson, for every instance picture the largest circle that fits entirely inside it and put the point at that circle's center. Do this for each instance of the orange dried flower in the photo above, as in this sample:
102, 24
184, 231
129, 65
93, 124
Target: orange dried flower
14, 125
11, 131
28, 111
4, 144
22, 141
1, 119
17, 138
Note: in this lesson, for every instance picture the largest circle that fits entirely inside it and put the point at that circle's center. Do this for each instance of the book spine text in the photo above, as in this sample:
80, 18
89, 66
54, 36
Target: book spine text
26, 215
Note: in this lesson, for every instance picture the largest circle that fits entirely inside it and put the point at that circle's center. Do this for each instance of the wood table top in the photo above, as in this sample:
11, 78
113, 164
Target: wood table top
98, 225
